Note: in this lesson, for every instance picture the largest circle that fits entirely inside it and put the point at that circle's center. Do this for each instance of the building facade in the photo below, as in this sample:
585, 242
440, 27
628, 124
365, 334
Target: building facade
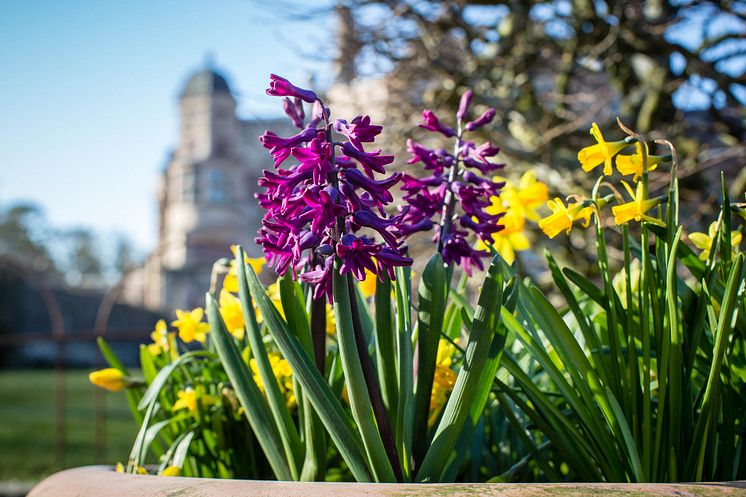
205, 195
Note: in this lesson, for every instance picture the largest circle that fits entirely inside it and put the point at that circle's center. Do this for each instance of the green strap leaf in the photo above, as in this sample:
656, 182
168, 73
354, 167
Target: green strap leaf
386, 346
248, 393
327, 406
151, 394
286, 427
432, 305
357, 390
461, 402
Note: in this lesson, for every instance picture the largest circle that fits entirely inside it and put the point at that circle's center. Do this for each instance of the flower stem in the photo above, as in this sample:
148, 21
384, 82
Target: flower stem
318, 330
449, 202
371, 382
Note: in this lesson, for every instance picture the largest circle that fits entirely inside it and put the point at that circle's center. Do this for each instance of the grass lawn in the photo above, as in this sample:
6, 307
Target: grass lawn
27, 424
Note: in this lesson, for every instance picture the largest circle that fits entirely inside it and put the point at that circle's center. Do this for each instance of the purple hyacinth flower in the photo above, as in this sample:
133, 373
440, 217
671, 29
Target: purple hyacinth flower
387, 228
407, 229
323, 208
281, 87
379, 190
316, 157
357, 255
299, 108
482, 229
282, 183
387, 259
431, 122
321, 279
457, 250
280, 148
318, 113
433, 160
294, 112
311, 205
463, 106
486, 118
308, 239
412, 184
371, 161
276, 249
358, 131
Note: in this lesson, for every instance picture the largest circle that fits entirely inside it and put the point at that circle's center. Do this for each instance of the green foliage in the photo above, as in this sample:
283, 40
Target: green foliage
637, 379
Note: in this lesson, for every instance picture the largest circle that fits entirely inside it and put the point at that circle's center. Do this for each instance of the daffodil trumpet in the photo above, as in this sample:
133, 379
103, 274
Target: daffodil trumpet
602, 152
637, 208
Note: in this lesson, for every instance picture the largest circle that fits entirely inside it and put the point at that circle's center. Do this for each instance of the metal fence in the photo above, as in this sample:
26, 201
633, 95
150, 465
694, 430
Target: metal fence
60, 339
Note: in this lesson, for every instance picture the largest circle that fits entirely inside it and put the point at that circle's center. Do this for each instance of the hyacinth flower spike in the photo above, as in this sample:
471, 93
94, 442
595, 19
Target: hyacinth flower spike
454, 198
325, 223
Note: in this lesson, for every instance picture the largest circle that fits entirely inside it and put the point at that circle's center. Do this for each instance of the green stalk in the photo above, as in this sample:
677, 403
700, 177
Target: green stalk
371, 383
726, 322
255, 405
291, 442
461, 402
405, 405
314, 464
360, 402
675, 357
633, 375
432, 303
386, 347
328, 407
615, 354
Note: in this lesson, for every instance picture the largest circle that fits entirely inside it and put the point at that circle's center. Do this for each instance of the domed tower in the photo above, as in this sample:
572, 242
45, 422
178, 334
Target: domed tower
204, 195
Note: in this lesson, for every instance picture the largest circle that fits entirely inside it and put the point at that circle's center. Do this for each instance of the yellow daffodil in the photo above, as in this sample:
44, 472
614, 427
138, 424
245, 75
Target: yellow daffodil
704, 242
600, 153
368, 285
632, 164
230, 282
162, 339
331, 321
230, 310
636, 209
443, 380
562, 217
110, 379
283, 374
526, 197
141, 470
511, 238
273, 292
190, 325
516, 203
187, 399
171, 471
119, 468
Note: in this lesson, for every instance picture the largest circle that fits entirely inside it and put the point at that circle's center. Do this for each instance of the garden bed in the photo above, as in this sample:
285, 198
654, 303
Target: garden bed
101, 480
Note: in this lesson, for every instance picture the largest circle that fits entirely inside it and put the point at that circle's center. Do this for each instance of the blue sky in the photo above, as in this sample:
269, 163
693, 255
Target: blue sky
88, 93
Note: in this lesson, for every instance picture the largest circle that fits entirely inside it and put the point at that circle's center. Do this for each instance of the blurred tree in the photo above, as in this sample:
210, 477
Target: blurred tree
553, 66
124, 256
83, 264
667, 68
24, 238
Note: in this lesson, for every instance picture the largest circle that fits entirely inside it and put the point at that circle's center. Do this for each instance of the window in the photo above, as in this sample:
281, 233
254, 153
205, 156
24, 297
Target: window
188, 186
218, 187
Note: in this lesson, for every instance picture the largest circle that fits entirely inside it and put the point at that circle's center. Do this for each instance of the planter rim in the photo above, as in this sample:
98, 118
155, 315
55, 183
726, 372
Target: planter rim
90, 481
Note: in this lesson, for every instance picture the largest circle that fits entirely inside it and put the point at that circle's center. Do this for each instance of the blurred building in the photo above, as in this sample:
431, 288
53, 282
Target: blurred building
205, 195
